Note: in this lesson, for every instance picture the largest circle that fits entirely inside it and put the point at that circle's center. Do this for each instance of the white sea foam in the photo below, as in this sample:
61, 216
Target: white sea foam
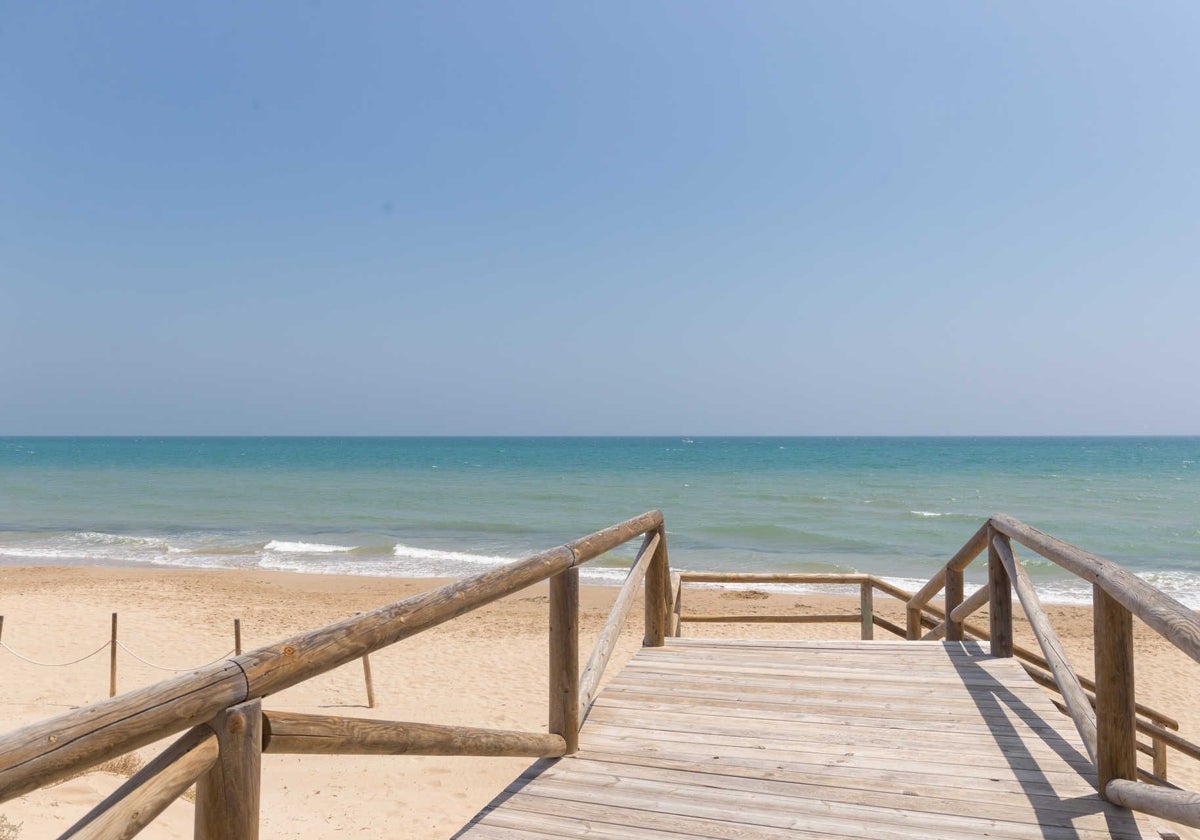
305, 548
431, 554
925, 513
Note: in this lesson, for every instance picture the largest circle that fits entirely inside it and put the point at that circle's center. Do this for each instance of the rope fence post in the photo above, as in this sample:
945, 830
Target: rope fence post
112, 660
370, 682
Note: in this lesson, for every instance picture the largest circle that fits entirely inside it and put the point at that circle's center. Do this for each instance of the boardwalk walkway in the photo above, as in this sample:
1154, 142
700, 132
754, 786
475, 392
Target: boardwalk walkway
772, 739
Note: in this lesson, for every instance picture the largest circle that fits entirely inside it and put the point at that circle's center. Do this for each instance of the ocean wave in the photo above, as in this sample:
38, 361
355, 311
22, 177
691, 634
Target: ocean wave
285, 547
413, 553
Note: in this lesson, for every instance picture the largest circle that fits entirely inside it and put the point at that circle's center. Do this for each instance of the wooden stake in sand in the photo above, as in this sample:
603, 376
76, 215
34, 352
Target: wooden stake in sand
370, 682
237, 637
112, 660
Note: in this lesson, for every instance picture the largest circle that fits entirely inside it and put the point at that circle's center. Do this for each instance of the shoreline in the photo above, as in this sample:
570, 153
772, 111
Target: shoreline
487, 668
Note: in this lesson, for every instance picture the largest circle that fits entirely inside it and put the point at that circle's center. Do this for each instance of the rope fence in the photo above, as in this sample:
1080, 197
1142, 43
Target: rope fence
113, 644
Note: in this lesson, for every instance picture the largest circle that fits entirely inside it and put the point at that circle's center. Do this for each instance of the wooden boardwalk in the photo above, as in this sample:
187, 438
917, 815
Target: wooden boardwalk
771, 739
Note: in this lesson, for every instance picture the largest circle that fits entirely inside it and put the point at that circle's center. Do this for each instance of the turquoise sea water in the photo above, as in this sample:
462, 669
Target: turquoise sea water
898, 507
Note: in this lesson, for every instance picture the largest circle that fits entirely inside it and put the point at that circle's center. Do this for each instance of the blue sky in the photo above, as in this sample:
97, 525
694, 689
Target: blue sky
609, 218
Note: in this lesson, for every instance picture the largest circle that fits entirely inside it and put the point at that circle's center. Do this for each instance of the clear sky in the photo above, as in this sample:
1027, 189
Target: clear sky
600, 218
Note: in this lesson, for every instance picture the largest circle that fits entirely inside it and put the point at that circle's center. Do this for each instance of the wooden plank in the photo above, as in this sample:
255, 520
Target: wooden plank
752, 805
839, 739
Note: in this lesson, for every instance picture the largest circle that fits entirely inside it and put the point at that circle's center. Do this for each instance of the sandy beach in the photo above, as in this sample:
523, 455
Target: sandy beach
484, 669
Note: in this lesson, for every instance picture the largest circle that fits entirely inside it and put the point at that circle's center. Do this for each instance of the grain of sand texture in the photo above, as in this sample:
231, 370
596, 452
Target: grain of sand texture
488, 669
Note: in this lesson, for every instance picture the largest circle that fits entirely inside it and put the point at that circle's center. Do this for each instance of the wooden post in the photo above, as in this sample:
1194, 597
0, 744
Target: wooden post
237, 637
657, 592
1, 628
112, 659
913, 630
227, 796
370, 682
564, 657
1116, 755
999, 602
1160, 757
866, 599
954, 597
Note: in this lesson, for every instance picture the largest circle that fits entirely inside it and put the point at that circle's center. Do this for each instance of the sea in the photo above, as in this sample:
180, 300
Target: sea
897, 507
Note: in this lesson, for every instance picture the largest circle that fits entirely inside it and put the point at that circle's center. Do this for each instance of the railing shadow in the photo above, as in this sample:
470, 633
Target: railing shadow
995, 702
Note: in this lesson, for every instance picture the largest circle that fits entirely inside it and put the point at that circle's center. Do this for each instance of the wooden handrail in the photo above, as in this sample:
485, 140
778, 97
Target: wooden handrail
1169, 618
51, 749
1068, 683
589, 682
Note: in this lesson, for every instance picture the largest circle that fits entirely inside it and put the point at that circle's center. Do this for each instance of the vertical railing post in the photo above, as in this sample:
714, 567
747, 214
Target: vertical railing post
866, 600
564, 657
1116, 747
228, 795
999, 601
658, 594
954, 597
913, 623
1160, 757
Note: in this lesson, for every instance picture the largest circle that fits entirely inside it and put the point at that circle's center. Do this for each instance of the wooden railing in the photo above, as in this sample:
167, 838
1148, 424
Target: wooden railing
219, 707
1104, 711
226, 730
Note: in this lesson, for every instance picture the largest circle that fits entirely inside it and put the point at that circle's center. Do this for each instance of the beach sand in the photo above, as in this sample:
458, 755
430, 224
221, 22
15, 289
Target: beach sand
488, 668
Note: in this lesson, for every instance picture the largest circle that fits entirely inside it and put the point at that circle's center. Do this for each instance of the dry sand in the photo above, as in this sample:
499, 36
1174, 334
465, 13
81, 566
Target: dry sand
484, 669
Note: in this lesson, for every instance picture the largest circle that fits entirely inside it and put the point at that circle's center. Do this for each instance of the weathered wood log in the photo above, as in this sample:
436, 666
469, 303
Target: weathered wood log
894, 629
593, 545
1068, 683
676, 602
298, 734
1169, 618
146, 794
657, 592
564, 657
773, 577
961, 559
1176, 805
275, 667
1159, 757
974, 601
607, 641
890, 589
866, 609
1116, 756
51, 749
228, 795
1000, 629
954, 599
755, 618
